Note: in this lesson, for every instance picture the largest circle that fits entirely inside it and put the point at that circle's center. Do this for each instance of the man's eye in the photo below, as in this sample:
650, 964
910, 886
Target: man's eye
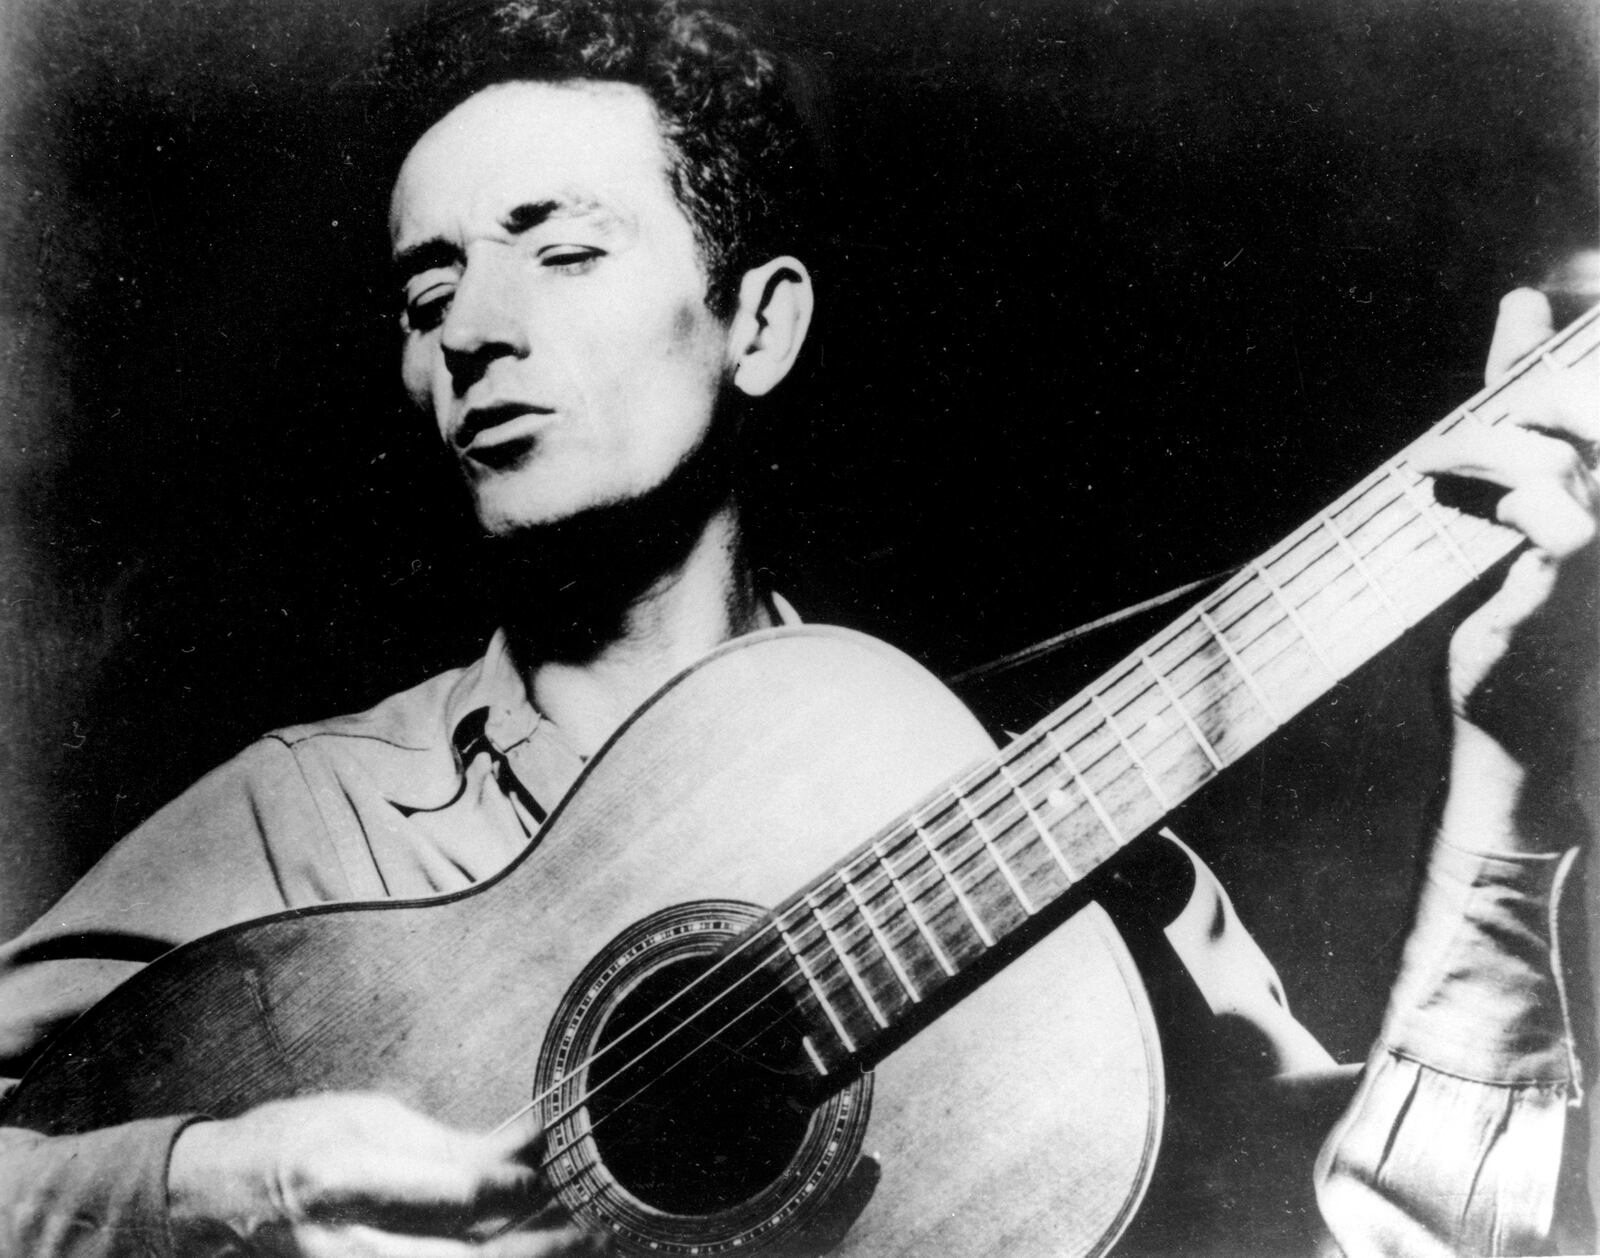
428, 311
570, 259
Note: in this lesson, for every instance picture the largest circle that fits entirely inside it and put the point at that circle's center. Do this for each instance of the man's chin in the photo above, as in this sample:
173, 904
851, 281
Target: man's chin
502, 519
593, 527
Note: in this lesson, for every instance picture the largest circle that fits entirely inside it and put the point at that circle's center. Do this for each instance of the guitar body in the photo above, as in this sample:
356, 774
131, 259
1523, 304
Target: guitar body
1021, 1120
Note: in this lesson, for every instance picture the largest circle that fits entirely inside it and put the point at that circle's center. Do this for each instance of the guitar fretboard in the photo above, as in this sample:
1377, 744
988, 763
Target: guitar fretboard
936, 891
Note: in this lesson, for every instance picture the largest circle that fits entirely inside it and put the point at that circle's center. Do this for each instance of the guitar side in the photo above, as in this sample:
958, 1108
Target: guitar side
1021, 1121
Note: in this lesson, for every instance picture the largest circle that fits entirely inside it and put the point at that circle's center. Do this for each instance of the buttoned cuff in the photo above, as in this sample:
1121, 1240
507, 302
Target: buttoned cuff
1480, 994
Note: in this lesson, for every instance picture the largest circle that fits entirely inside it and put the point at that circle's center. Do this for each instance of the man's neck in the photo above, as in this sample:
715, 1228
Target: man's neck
690, 608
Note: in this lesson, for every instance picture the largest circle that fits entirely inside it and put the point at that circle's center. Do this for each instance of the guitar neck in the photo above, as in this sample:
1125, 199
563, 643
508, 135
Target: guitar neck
934, 893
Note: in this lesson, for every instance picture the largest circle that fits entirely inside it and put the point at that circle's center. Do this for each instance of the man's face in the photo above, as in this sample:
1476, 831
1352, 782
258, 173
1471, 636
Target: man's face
556, 324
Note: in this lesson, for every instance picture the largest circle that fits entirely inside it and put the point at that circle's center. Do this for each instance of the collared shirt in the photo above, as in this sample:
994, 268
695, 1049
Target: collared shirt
441, 785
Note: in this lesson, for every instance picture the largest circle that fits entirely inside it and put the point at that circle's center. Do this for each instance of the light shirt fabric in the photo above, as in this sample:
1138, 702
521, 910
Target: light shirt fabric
1452, 1144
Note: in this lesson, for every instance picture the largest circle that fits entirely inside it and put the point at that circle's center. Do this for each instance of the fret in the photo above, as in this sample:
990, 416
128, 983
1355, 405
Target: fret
1039, 827
1212, 690
1370, 519
901, 949
967, 856
854, 975
1269, 661
1203, 742
1016, 838
1248, 617
1299, 624
1088, 794
1257, 621
955, 887
1309, 569
1105, 766
865, 947
1359, 565
1424, 509
883, 943
925, 885
1397, 546
915, 914
1238, 664
1150, 779
995, 855
816, 989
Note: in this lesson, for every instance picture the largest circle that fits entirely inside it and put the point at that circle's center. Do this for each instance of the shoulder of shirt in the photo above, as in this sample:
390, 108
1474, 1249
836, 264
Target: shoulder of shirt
412, 720
405, 747
425, 717
410, 743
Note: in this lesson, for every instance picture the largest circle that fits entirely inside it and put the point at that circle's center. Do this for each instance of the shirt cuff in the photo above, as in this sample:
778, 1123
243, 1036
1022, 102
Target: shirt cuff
1480, 994
100, 1193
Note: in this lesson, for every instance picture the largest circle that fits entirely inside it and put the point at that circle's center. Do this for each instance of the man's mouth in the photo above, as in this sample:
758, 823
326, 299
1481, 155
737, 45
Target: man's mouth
499, 431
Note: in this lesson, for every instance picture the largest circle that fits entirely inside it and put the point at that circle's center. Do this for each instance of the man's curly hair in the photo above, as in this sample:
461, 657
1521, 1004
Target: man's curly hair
739, 155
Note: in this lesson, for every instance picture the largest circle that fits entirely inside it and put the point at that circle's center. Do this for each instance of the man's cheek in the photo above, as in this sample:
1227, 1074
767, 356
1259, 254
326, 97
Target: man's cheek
415, 376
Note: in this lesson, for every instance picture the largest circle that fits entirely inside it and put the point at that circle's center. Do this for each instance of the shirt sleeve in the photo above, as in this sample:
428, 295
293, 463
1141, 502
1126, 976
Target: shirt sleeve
1455, 1139
98, 1195
217, 855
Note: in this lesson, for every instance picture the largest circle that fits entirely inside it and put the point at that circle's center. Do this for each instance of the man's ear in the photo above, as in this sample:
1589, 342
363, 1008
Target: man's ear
769, 325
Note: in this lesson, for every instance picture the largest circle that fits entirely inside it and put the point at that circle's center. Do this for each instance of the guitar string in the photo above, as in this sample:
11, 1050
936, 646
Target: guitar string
933, 880
874, 886
1360, 492
880, 873
876, 882
875, 858
873, 855
682, 993
1009, 818
957, 858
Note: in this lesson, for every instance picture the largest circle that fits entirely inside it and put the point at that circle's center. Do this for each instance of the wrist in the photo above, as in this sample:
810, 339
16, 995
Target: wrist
203, 1201
1502, 803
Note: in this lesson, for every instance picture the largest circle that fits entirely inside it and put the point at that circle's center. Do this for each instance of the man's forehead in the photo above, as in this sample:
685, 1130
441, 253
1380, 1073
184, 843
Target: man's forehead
522, 153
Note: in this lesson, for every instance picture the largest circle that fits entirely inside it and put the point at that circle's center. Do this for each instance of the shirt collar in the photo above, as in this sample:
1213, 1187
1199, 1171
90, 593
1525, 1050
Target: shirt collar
491, 700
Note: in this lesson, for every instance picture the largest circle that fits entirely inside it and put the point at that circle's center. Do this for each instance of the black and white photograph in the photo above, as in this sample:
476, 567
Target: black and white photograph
887, 628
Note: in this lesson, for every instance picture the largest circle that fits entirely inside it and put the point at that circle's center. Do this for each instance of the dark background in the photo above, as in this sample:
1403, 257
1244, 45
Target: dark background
1117, 293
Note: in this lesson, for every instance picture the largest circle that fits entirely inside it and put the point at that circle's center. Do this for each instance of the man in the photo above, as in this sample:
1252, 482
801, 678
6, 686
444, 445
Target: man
592, 236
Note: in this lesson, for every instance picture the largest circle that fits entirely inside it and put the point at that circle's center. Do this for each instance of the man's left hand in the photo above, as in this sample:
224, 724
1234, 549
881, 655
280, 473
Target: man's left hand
1523, 666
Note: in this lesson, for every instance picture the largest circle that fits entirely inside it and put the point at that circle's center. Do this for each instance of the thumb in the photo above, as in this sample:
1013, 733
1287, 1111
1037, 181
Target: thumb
1524, 322
521, 1138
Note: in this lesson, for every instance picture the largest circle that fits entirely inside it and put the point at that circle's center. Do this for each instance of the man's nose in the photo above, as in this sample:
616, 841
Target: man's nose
486, 321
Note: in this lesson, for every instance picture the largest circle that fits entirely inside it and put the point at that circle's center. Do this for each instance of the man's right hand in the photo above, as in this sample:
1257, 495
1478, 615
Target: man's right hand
346, 1174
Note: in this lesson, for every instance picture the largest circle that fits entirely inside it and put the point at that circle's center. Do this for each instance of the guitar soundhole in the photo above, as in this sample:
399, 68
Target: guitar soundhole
686, 1112
698, 1113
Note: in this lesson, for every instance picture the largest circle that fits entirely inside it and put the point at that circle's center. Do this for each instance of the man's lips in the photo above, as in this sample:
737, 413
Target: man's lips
484, 427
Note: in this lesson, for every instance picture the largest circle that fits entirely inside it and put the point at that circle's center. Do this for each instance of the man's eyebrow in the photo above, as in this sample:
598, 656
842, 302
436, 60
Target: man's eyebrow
426, 256
574, 205
524, 218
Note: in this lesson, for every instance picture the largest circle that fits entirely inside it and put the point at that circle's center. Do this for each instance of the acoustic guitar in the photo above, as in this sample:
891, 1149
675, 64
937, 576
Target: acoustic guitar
802, 965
